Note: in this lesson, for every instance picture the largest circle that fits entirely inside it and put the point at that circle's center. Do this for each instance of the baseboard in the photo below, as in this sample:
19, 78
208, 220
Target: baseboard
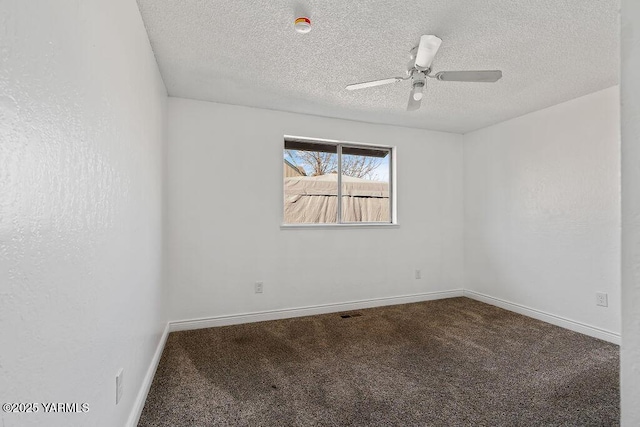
138, 405
563, 322
235, 319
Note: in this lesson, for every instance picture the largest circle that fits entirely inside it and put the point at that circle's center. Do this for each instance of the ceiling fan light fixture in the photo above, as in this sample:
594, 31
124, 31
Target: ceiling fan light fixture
427, 49
418, 90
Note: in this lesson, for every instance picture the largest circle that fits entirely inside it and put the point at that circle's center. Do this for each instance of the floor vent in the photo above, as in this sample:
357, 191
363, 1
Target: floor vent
346, 316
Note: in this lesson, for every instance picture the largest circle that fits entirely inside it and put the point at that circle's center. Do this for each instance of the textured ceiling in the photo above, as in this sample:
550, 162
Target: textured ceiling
247, 53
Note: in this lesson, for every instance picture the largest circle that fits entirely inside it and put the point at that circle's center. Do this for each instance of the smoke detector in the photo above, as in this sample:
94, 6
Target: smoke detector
302, 25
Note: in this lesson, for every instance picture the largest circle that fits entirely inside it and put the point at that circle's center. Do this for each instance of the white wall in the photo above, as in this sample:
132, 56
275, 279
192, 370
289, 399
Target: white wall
225, 196
630, 90
82, 108
542, 210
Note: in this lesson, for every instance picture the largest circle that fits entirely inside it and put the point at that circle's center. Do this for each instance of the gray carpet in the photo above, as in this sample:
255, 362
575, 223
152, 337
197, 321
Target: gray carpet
453, 362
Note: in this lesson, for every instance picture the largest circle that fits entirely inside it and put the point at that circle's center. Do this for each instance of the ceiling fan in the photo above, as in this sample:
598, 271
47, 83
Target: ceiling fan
419, 69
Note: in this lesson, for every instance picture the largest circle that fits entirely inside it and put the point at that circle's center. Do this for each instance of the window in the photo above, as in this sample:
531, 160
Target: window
315, 193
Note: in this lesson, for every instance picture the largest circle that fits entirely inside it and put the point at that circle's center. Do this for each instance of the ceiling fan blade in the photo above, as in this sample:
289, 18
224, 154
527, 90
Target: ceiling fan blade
489, 76
413, 104
373, 83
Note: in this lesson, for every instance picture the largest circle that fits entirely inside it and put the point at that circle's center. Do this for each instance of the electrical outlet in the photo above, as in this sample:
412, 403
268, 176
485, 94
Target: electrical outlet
601, 299
258, 287
418, 274
119, 386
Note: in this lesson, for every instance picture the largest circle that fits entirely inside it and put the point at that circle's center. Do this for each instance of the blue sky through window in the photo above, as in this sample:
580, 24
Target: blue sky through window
379, 171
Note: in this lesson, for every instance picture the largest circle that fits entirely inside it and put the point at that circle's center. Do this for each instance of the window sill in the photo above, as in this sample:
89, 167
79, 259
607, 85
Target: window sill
335, 226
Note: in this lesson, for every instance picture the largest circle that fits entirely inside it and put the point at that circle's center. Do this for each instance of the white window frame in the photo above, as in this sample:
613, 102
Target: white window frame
339, 144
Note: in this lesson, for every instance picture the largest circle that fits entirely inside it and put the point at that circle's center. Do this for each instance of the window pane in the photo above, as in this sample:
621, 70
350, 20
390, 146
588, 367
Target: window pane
365, 185
310, 183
